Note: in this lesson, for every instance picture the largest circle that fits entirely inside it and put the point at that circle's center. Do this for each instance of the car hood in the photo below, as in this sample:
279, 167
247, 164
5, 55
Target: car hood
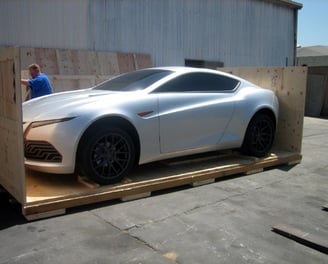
68, 104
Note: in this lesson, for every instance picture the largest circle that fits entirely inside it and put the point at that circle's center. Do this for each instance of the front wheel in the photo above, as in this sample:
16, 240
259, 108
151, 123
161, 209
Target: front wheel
106, 155
259, 136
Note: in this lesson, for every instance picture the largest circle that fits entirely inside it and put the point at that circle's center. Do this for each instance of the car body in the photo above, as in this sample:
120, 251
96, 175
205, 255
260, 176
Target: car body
145, 116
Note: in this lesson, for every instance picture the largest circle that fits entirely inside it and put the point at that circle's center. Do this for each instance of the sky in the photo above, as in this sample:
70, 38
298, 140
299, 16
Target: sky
312, 23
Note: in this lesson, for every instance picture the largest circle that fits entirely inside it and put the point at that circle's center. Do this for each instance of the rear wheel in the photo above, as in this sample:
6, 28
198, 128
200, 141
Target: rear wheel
259, 135
106, 155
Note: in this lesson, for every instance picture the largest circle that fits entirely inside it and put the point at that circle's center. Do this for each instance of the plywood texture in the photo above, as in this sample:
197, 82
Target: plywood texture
289, 84
47, 192
12, 173
92, 67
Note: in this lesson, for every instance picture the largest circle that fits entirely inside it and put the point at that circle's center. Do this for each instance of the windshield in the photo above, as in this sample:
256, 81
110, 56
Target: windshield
133, 81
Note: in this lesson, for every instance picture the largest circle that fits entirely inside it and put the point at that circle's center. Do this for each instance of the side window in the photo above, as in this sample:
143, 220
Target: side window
182, 83
199, 82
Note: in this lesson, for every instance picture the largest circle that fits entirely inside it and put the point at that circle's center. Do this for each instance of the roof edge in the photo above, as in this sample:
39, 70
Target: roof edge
288, 3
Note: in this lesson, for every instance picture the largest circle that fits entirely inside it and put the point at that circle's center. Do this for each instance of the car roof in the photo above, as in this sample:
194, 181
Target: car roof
183, 69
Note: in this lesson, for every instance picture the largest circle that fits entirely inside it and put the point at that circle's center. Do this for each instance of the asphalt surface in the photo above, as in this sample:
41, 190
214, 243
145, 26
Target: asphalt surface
229, 221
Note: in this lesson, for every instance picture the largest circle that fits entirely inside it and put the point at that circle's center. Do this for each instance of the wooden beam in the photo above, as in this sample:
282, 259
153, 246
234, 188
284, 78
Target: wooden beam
302, 237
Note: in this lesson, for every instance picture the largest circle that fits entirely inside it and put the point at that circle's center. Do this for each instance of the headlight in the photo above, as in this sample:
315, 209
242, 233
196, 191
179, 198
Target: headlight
49, 122
45, 123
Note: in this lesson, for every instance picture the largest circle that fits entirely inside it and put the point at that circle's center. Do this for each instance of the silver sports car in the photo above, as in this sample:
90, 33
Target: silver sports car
144, 116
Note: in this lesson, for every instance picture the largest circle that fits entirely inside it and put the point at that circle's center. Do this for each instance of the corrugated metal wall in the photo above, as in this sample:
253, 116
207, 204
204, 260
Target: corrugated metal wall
45, 23
235, 32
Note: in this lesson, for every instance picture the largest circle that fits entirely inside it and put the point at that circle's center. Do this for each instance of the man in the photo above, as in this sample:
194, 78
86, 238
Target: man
39, 84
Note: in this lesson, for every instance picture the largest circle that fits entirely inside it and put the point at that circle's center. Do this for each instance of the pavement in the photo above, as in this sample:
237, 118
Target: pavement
229, 221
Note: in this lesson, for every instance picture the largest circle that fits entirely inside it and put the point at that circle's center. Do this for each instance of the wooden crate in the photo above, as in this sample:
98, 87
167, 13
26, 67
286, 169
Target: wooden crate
43, 195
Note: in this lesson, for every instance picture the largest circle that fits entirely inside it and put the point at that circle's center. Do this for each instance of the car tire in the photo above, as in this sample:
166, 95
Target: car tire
106, 155
259, 135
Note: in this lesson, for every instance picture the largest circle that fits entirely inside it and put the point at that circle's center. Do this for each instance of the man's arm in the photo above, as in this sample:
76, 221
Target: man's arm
25, 82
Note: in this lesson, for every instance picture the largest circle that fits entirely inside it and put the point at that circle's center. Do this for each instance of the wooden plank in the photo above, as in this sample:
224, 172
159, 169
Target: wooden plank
27, 57
46, 58
48, 214
250, 172
84, 62
146, 182
126, 62
135, 196
305, 238
65, 62
292, 105
61, 83
142, 61
201, 183
289, 84
25, 90
108, 63
87, 182
12, 173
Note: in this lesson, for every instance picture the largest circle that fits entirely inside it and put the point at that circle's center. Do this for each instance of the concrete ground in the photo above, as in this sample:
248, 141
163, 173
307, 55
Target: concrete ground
229, 221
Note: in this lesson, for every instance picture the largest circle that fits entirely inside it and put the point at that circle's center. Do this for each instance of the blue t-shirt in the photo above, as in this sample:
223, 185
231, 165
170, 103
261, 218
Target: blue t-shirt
40, 86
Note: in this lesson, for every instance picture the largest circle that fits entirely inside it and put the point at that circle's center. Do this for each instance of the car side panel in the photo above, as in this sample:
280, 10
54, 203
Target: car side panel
249, 100
193, 120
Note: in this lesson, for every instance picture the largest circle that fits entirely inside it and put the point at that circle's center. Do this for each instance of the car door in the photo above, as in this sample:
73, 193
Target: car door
193, 112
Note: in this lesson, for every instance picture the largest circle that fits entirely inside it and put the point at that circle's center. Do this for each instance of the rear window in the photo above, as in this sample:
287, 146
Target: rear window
133, 81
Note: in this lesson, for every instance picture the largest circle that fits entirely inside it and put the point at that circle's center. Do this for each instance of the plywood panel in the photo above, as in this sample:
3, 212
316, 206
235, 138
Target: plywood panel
12, 172
46, 58
61, 83
126, 62
108, 63
25, 90
289, 84
63, 62
142, 61
83, 62
292, 105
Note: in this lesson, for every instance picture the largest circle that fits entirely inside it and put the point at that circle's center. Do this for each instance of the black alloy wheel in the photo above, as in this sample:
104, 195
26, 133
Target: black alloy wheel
259, 136
107, 156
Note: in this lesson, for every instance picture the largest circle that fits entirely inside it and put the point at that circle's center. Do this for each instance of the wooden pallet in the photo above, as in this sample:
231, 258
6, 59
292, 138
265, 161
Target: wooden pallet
49, 195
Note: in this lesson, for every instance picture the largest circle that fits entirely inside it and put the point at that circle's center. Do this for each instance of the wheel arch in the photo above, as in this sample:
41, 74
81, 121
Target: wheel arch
268, 111
264, 110
250, 145
116, 121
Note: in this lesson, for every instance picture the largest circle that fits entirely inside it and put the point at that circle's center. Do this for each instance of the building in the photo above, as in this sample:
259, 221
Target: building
207, 33
313, 56
316, 59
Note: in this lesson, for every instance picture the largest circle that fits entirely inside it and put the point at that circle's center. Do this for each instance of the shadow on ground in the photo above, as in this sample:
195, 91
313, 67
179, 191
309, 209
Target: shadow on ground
11, 212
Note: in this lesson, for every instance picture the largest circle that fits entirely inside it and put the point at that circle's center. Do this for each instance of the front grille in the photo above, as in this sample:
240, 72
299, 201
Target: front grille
41, 150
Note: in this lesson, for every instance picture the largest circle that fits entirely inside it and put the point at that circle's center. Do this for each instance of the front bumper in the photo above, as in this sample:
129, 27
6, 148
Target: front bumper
52, 147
